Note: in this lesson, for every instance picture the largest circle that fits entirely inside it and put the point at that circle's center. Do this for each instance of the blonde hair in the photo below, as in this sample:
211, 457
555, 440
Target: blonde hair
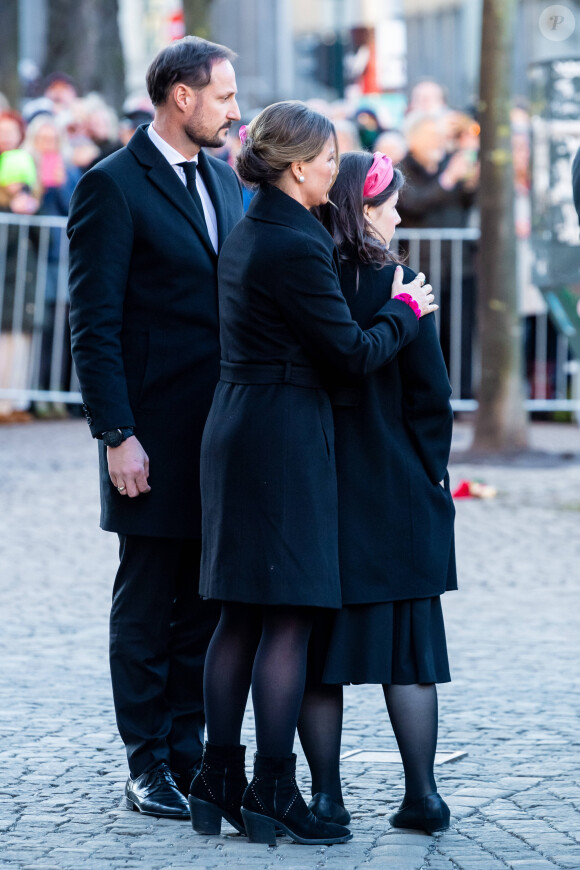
282, 134
37, 123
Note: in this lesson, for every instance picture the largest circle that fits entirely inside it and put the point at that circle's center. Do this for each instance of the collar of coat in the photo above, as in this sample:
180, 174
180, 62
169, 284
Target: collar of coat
273, 206
163, 175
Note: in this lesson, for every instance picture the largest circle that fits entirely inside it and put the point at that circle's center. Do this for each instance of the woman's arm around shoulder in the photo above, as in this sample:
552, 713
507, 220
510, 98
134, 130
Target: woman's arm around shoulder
309, 296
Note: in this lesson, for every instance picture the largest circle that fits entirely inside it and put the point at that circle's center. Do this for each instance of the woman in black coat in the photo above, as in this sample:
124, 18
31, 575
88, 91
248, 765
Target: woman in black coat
396, 514
268, 482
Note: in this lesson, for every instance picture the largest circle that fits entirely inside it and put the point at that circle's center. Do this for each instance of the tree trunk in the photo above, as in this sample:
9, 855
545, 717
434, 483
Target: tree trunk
196, 14
84, 41
500, 424
9, 83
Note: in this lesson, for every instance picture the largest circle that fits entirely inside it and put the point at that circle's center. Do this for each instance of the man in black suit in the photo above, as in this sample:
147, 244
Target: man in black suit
145, 229
576, 182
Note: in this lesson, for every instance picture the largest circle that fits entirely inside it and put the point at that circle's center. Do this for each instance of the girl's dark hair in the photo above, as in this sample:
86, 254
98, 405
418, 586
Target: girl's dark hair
344, 217
282, 134
188, 61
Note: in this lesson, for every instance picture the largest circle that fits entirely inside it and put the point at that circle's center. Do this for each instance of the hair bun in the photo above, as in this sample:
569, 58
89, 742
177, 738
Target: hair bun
280, 135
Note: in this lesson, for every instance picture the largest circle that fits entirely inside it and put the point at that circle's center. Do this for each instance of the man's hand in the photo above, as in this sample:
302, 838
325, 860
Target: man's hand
129, 467
422, 293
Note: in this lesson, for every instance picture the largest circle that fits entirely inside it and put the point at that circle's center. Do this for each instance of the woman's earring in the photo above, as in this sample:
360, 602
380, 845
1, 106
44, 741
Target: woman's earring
301, 179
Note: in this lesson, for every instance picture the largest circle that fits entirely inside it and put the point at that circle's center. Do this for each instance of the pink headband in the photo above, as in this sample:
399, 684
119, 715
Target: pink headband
243, 134
379, 175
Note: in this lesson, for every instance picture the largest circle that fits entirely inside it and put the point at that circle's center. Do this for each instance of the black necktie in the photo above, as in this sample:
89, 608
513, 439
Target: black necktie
190, 169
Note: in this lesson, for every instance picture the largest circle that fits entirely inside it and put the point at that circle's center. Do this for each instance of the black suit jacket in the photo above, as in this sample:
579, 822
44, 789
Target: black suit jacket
144, 322
576, 181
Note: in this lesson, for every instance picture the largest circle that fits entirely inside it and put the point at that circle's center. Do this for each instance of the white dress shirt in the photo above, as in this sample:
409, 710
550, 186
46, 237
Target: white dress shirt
174, 157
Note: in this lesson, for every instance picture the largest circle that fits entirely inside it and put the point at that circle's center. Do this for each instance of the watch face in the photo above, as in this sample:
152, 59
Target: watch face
113, 438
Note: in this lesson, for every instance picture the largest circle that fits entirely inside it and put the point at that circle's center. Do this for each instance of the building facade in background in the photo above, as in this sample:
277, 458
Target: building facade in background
330, 49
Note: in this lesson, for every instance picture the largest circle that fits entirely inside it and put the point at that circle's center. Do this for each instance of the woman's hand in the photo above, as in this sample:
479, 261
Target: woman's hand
422, 293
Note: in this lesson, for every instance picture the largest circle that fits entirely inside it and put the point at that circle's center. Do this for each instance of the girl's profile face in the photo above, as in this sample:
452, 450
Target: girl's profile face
385, 218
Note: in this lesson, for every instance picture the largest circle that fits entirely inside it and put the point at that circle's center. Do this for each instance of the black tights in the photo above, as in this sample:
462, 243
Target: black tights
413, 714
266, 647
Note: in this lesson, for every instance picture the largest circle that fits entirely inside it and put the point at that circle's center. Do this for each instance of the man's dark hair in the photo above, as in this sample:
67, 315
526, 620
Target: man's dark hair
188, 61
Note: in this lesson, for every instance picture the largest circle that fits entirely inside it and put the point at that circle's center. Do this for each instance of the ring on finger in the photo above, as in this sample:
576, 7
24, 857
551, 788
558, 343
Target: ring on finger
121, 488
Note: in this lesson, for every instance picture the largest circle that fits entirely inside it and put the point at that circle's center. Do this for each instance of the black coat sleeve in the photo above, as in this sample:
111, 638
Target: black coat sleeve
576, 182
100, 231
426, 394
312, 303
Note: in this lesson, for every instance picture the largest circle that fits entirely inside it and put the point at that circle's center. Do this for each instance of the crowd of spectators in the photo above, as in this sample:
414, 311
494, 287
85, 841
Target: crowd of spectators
45, 146
48, 143
53, 139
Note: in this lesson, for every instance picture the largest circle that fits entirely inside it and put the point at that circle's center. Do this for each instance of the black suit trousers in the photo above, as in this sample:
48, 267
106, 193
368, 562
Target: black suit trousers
159, 633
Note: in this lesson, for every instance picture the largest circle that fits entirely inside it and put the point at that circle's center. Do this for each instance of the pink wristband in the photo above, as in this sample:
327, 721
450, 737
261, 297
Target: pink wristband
408, 300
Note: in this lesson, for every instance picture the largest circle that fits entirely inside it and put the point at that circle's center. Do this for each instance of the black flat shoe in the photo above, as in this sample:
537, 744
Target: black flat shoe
429, 814
327, 810
155, 793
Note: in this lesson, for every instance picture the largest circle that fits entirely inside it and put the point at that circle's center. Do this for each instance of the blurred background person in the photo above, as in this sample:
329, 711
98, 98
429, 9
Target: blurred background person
462, 133
393, 144
347, 136
47, 145
12, 129
440, 193
369, 127
18, 185
129, 122
102, 127
428, 97
230, 152
75, 122
61, 90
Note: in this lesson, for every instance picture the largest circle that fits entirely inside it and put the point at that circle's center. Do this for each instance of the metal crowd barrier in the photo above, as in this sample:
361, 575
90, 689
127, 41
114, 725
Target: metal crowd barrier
35, 361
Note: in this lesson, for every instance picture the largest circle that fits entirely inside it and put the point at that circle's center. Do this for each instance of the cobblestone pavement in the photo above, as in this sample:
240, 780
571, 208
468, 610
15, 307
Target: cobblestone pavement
513, 632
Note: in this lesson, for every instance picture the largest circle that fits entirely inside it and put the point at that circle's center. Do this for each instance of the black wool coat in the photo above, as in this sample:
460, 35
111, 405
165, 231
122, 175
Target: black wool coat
393, 437
144, 323
270, 525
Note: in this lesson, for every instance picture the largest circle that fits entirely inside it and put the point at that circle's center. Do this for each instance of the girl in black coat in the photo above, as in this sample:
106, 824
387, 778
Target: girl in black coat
396, 513
268, 481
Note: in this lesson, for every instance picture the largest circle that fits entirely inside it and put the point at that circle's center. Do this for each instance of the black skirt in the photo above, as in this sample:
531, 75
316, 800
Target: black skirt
395, 642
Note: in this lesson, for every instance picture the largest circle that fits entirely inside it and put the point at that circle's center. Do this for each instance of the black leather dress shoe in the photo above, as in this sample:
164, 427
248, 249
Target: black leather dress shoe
327, 810
429, 813
155, 794
184, 777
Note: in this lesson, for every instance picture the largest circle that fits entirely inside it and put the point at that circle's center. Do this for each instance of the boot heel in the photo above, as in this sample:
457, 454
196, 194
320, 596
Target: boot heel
260, 829
205, 817
130, 805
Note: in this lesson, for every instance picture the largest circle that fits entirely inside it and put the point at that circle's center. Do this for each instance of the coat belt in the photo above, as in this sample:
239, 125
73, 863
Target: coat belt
283, 373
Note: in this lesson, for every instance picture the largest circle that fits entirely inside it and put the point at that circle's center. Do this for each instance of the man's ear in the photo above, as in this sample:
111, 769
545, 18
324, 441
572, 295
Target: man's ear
181, 96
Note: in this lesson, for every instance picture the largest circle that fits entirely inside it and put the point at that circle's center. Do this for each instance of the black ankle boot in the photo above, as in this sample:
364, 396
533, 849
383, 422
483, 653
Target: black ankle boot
429, 813
328, 810
272, 800
216, 792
